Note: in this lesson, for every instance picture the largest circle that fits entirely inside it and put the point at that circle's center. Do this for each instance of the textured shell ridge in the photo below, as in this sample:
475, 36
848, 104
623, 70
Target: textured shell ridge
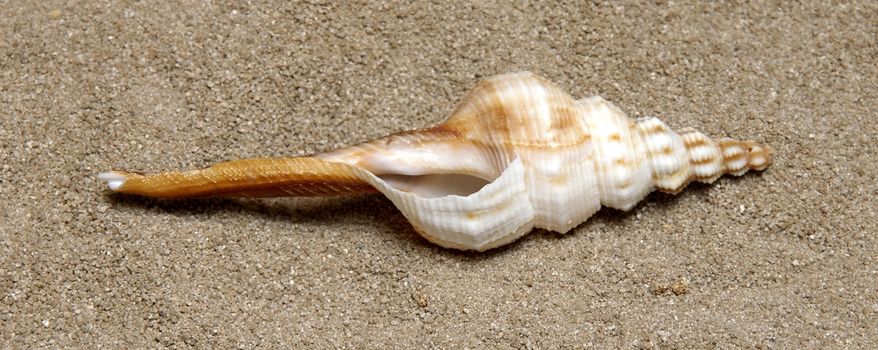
516, 153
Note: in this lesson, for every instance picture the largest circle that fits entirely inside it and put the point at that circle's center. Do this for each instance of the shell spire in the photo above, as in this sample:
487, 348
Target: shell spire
517, 153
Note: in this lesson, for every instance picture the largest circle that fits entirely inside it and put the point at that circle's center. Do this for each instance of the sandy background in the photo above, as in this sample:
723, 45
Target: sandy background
783, 259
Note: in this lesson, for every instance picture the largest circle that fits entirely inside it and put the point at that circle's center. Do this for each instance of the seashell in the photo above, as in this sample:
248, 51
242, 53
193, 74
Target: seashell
517, 153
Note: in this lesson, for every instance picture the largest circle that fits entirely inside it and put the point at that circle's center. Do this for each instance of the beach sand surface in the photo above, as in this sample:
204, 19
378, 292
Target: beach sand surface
787, 258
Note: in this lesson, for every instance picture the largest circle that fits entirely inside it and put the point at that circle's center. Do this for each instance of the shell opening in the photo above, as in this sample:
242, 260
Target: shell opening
435, 185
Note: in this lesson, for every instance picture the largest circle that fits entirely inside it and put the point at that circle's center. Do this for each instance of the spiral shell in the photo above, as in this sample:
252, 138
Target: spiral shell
517, 153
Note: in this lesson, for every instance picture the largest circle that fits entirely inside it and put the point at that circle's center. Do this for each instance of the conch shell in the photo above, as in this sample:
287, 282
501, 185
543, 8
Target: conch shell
517, 153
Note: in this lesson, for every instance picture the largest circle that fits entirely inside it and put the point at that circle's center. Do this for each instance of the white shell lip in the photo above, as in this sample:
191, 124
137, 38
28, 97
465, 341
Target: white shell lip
113, 179
494, 215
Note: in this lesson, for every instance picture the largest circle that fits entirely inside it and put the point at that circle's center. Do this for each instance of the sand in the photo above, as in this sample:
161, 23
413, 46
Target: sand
783, 259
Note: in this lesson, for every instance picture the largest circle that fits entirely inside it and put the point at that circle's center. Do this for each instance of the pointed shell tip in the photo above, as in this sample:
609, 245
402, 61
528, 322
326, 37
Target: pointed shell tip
113, 179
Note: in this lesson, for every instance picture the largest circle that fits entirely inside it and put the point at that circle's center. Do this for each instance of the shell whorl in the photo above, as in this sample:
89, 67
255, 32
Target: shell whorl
516, 153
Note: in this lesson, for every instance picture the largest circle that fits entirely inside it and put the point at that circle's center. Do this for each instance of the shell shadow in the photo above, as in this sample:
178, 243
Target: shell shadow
375, 209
